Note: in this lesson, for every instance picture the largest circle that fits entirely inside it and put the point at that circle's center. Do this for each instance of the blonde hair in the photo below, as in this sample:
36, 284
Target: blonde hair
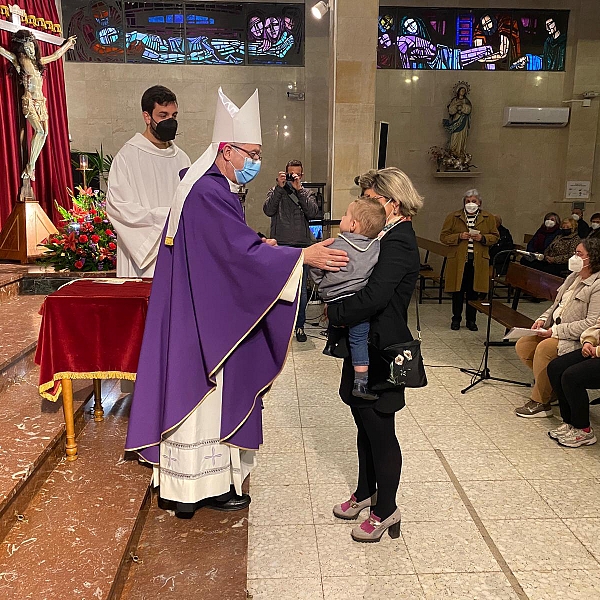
393, 184
572, 222
370, 214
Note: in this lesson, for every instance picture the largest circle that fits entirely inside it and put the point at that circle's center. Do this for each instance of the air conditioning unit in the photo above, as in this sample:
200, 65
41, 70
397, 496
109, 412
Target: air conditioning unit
523, 116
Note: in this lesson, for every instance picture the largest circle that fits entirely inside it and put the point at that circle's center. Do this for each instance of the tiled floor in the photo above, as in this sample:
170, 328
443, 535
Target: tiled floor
492, 508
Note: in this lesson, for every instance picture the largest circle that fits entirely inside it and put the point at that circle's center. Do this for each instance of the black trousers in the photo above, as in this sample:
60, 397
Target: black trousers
571, 375
466, 289
379, 459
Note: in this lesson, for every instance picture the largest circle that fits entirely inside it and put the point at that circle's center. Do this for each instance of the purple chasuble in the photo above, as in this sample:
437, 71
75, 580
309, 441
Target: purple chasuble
214, 303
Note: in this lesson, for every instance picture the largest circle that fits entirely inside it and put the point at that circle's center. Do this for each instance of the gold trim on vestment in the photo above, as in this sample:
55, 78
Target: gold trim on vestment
276, 376
87, 375
300, 261
214, 371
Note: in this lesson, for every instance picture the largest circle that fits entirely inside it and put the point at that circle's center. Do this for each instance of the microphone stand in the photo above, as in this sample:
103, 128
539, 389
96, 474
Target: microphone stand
480, 375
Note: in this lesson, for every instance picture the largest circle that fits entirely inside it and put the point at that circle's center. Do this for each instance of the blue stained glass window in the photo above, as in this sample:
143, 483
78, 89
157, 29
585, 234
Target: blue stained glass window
173, 32
200, 20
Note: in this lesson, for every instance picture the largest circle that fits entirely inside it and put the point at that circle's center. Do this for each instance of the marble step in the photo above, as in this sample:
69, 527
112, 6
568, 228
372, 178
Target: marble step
203, 557
74, 539
32, 440
19, 327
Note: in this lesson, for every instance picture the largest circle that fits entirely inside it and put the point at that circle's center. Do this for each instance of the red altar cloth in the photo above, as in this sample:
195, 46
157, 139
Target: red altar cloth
91, 330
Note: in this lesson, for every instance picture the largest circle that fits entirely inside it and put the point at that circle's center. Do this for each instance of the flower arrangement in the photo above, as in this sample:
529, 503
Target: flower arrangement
86, 241
449, 161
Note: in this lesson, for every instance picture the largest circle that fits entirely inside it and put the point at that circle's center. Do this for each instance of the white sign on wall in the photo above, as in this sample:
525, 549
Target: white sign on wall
578, 189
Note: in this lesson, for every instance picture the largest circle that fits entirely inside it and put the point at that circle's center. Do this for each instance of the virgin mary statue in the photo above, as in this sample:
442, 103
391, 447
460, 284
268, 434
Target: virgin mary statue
459, 123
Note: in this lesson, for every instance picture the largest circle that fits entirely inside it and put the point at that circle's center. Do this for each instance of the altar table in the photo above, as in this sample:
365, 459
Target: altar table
91, 329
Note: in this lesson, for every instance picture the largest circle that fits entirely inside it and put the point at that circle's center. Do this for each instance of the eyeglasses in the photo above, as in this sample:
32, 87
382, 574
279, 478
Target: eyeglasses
253, 155
363, 197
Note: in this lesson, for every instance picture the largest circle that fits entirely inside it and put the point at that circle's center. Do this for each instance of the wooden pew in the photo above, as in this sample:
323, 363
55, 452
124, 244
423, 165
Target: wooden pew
436, 277
522, 279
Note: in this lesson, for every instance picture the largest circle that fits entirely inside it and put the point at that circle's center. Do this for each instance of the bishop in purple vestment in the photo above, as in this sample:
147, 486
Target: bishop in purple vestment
219, 325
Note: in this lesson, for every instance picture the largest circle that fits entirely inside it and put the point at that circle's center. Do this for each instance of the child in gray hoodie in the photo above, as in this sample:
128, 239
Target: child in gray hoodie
359, 230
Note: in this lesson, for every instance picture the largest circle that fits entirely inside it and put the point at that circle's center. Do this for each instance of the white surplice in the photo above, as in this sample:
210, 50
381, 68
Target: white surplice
194, 465
141, 188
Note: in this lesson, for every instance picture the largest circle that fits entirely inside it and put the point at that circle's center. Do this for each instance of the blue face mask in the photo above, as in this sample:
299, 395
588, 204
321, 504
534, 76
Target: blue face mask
248, 172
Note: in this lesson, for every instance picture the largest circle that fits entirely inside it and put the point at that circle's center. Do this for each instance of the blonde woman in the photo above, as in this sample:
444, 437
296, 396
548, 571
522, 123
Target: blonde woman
563, 246
384, 302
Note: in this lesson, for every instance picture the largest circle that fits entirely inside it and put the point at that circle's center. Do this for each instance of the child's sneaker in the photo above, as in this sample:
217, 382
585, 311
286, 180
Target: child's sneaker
577, 437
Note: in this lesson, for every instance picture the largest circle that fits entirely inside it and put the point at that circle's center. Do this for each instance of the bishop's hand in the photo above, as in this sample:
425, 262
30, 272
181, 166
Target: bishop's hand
71, 41
322, 257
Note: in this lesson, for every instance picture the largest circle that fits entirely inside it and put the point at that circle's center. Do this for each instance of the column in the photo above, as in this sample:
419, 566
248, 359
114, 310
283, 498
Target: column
353, 65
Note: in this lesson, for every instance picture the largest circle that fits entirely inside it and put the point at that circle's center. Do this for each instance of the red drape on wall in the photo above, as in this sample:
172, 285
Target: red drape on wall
53, 168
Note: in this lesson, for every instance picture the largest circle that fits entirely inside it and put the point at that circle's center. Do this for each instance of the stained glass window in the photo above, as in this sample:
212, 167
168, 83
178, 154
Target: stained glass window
472, 39
185, 32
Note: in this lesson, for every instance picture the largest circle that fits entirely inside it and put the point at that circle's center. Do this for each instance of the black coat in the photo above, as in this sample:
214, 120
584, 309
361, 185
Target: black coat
583, 229
384, 301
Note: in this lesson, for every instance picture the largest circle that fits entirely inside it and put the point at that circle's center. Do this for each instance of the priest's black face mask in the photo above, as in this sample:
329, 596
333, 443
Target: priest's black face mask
163, 121
165, 130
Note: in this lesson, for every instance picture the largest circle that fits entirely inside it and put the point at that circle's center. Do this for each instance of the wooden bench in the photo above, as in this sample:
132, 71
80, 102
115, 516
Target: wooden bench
436, 277
523, 280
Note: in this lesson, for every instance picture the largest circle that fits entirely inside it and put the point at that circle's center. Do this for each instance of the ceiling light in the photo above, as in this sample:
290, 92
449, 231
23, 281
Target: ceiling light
319, 10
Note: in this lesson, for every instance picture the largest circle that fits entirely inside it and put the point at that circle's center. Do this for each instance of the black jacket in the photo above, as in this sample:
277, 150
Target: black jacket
504, 243
583, 229
289, 218
384, 301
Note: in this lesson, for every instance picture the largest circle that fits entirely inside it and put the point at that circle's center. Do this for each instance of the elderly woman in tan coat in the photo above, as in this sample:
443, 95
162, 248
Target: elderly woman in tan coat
575, 309
470, 231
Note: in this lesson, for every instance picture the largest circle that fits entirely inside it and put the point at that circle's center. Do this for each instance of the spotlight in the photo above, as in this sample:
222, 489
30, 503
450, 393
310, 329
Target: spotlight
319, 10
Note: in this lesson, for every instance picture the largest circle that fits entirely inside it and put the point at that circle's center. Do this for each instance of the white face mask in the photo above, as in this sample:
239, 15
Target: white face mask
471, 207
575, 264
595, 225
549, 223
574, 216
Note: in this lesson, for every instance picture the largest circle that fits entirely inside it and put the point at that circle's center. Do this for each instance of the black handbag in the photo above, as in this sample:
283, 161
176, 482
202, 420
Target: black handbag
403, 364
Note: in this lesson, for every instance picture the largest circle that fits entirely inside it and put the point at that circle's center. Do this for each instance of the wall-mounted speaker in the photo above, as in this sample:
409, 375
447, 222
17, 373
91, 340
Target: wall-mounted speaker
381, 143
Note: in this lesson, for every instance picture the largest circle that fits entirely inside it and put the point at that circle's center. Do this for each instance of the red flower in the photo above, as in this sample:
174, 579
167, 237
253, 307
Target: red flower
97, 219
80, 220
69, 242
95, 239
109, 233
79, 264
83, 239
112, 245
93, 211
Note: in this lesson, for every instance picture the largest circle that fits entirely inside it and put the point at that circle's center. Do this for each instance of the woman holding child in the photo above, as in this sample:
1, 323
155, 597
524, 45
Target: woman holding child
383, 302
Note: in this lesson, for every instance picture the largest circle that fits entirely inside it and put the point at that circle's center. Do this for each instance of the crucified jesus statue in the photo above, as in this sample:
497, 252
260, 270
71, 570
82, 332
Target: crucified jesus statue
29, 64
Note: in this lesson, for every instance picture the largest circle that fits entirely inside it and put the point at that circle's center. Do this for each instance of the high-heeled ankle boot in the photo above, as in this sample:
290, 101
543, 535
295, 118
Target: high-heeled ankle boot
373, 528
350, 509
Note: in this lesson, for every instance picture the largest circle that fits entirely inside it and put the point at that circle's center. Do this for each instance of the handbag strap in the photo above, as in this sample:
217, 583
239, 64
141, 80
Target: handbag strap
417, 311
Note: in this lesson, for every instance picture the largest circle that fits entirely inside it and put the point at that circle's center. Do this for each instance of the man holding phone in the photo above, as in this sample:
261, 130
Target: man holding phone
291, 207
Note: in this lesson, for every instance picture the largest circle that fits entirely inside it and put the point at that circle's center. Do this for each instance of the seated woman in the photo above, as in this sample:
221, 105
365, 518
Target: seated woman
594, 226
571, 375
557, 254
576, 308
543, 237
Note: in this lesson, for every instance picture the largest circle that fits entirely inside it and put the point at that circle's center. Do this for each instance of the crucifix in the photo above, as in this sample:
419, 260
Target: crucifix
27, 226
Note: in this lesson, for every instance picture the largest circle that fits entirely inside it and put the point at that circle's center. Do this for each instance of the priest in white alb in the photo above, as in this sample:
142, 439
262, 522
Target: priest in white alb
142, 182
